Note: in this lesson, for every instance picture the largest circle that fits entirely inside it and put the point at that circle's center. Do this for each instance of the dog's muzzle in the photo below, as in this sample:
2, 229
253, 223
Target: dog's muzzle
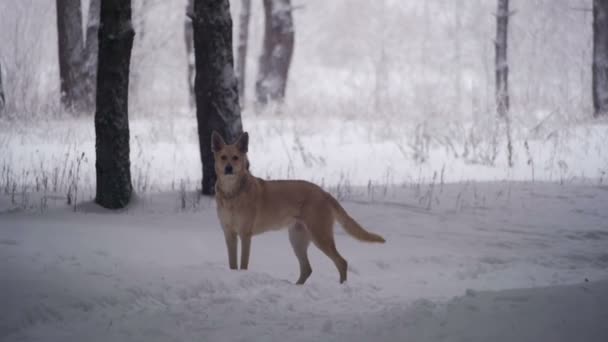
228, 170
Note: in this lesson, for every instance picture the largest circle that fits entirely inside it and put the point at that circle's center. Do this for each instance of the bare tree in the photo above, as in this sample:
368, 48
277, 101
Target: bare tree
456, 34
600, 58
241, 62
2, 99
381, 68
70, 44
277, 51
111, 116
502, 65
502, 71
217, 98
139, 70
189, 39
89, 67
77, 53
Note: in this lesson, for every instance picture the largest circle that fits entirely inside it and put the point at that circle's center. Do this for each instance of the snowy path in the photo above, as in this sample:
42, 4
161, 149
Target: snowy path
155, 274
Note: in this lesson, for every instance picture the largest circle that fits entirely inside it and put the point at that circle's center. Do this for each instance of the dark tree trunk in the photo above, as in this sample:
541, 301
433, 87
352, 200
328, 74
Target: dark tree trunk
91, 53
241, 63
600, 58
70, 44
189, 39
277, 50
2, 99
502, 66
111, 117
502, 71
217, 100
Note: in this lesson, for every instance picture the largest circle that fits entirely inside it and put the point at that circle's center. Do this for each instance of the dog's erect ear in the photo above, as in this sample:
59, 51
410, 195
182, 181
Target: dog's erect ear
217, 142
243, 143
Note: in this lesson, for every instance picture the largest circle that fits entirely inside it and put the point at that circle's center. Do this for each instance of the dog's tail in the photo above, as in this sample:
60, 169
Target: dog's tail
350, 225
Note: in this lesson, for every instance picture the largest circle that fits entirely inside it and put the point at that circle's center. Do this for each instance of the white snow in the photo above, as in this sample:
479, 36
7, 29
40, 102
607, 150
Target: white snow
394, 115
155, 272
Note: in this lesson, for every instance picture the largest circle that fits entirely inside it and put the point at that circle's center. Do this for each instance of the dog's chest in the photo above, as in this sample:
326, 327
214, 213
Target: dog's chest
233, 215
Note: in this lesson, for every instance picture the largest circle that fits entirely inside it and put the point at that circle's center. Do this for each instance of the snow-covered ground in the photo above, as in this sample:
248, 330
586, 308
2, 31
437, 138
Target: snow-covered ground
156, 272
393, 115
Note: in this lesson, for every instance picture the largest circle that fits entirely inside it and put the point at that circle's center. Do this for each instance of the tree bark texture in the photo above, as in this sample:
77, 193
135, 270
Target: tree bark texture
501, 62
241, 63
277, 51
600, 58
217, 101
111, 116
70, 46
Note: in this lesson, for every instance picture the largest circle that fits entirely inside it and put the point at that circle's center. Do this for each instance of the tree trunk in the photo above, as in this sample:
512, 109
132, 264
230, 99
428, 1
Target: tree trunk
137, 78
381, 68
502, 72
189, 39
277, 51
70, 44
502, 66
241, 63
111, 117
217, 98
458, 11
91, 53
600, 58
2, 99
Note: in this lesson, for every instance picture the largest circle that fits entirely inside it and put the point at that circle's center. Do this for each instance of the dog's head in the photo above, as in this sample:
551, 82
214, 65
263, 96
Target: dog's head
230, 160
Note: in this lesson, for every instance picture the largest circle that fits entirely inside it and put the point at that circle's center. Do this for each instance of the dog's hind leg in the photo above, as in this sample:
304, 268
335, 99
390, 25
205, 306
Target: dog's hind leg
323, 237
328, 246
300, 240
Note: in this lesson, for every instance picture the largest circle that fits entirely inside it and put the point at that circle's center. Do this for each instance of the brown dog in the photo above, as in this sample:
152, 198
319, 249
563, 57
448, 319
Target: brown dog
247, 205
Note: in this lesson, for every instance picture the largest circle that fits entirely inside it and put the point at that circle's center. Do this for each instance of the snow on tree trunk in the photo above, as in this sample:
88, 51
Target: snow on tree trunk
111, 116
70, 44
89, 67
217, 100
600, 57
502, 66
189, 39
241, 63
277, 51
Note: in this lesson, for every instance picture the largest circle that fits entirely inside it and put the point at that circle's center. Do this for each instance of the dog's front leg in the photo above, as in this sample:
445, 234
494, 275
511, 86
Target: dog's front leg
231, 244
245, 249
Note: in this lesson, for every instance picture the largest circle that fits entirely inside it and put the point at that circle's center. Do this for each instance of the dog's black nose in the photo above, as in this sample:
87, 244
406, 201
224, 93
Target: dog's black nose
228, 169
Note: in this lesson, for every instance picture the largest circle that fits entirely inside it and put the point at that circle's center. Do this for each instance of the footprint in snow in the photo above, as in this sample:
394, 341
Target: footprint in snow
101, 253
382, 265
353, 270
9, 242
492, 260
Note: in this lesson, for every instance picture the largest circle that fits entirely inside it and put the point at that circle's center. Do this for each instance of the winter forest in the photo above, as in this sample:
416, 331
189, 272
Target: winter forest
469, 135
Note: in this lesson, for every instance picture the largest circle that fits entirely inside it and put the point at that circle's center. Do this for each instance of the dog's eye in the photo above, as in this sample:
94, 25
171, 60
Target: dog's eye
235, 158
224, 157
